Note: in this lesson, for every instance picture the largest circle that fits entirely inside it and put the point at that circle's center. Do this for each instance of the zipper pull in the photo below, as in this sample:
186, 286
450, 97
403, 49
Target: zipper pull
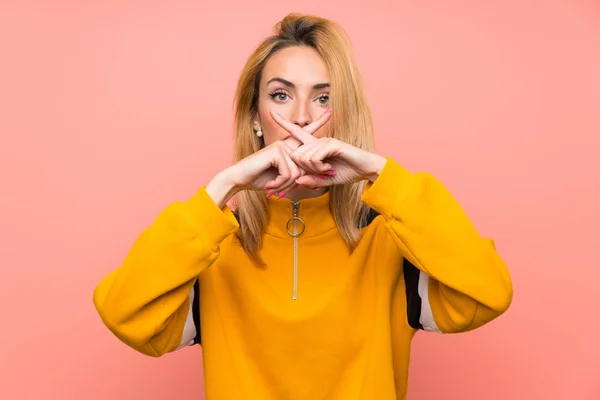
295, 220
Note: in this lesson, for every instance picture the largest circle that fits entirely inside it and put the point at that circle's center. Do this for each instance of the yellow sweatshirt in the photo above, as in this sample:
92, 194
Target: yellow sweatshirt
420, 265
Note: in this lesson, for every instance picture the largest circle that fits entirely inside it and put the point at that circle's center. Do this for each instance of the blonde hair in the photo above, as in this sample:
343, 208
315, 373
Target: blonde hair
350, 122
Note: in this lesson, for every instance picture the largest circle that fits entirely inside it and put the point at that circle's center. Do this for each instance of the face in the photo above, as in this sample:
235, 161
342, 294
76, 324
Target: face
295, 84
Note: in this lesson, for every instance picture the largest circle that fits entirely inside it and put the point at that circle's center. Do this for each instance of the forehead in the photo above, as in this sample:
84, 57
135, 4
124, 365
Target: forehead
300, 65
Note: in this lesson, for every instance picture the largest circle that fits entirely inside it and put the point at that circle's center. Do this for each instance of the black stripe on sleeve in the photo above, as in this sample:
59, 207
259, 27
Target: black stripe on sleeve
411, 283
196, 305
371, 215
413, 300
196, 311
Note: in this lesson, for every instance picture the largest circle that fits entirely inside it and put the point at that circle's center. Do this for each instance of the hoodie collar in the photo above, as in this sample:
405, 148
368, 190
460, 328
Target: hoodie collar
315, 213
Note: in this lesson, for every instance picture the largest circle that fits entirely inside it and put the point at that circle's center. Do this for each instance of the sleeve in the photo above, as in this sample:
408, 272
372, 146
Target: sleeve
151, 301
455, 281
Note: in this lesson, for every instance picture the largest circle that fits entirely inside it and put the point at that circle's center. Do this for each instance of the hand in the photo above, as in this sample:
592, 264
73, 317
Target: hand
328, 161
268, 167
272, 167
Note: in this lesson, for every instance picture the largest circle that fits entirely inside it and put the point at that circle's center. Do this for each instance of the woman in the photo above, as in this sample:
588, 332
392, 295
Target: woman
334, 257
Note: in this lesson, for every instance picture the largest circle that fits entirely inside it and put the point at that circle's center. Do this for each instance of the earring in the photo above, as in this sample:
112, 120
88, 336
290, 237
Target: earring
259, 132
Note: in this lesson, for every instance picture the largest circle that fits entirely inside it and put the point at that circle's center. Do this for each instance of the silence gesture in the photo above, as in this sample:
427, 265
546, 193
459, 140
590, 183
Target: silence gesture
328, 161
301, 159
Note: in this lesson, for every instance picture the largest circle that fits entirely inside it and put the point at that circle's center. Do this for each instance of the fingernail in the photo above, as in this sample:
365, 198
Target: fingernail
265, 189
331, 173
328, 110
269, 194
281, 195
322, 176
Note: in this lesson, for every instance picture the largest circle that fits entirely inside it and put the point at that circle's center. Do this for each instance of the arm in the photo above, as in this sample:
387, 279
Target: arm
458, 280
455, 280
149, 301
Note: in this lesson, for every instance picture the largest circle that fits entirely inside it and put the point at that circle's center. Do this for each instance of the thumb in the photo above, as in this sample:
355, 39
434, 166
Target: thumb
312, 181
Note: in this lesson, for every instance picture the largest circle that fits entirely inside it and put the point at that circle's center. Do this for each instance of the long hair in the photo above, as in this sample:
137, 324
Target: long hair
350, 122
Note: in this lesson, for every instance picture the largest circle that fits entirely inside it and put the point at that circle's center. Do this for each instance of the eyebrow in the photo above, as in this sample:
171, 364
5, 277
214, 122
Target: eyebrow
291, 85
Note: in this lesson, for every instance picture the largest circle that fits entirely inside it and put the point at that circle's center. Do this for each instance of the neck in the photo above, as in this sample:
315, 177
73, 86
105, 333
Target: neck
301, 193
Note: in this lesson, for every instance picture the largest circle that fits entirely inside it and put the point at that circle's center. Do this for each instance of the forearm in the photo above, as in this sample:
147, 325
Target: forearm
436, 236
144, 302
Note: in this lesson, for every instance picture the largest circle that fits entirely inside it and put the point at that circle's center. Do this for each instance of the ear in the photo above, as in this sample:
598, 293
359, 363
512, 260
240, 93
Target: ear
255, 121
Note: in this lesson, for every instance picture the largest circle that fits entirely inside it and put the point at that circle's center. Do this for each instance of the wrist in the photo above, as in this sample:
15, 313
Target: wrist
222, 188
376, 165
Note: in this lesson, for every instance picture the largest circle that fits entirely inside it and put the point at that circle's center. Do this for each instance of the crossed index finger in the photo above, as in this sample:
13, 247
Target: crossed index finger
305, 135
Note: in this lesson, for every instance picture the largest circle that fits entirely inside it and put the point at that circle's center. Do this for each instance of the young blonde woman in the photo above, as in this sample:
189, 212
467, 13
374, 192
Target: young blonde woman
314, 284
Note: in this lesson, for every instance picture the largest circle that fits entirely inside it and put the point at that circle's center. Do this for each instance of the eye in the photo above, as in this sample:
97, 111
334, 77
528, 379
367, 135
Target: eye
279, 96
323, 100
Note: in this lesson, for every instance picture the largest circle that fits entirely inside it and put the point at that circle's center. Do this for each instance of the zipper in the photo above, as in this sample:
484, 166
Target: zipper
295, 233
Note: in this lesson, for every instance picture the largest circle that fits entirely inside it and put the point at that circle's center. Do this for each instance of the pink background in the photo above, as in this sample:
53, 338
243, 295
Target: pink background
110, 110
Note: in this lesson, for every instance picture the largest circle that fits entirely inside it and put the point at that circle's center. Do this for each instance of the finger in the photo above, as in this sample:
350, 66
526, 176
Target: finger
301, 156
288, 172
290, 183
298, 154
292, 142
272, 185
314, 157
281, 190
293, 129
295, 170
312, 181
269, 177
283, 171
286, 189
331, 148
306, 157
318, 123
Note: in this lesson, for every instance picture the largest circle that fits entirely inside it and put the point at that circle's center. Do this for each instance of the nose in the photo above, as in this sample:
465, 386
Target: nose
301, 115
